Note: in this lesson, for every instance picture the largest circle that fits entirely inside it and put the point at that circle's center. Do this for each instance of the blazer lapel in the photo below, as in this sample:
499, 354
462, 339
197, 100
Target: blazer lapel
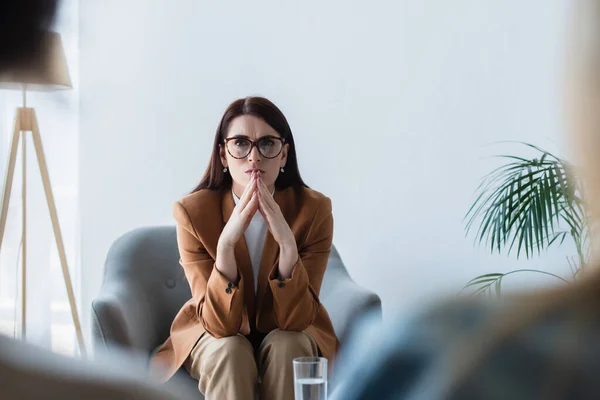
242, 255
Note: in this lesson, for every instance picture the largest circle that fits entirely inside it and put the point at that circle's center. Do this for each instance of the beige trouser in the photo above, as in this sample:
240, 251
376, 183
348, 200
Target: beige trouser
226, 368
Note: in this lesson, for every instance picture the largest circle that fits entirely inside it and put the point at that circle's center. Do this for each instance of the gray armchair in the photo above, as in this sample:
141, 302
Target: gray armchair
144, 287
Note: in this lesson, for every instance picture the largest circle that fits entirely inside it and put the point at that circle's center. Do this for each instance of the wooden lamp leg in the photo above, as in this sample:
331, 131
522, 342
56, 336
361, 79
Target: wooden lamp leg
24, 238
8, 181
25, 120
10, 173
37, 142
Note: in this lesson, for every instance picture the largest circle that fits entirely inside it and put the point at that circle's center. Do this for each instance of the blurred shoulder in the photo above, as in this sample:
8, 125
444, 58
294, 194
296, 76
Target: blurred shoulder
458, 348
461, 314
403, 351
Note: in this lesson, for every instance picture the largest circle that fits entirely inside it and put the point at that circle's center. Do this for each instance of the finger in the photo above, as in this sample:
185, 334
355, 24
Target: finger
268, 197
262, 187
253, 204
251, 207
264, 199
247, 195
261, 181
249, 185
261, 209
264, 211
261, 204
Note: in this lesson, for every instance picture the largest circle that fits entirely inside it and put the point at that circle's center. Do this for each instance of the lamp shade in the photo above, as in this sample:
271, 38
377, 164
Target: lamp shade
45, 71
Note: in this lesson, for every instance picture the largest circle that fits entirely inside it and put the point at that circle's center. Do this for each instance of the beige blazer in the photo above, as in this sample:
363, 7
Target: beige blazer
222, 308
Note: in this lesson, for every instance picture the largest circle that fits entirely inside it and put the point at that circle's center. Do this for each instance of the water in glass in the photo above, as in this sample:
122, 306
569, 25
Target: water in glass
310, 378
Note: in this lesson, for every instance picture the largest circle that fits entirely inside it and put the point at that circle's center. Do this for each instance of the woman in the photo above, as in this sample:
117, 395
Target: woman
254, 242
532, 346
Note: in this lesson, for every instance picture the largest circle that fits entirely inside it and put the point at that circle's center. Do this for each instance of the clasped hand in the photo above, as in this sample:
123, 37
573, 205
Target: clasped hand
256, 197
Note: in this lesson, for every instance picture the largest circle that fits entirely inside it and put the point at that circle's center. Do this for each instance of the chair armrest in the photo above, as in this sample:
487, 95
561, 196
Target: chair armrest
122, 319
346, 302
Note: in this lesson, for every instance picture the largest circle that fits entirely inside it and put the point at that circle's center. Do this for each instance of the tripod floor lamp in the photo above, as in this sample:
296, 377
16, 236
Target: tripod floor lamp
46, 72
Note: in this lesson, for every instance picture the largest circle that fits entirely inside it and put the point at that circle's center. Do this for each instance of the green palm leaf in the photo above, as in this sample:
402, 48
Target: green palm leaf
525, 205
488, 283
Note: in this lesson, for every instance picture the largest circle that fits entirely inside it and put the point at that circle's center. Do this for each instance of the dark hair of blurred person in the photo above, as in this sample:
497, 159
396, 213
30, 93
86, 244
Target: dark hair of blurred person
22, 27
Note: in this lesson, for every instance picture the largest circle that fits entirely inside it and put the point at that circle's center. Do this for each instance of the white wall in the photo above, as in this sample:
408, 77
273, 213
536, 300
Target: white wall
392, 104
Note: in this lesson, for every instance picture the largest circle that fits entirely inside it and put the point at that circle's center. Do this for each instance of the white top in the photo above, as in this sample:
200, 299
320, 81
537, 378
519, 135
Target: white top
255, 240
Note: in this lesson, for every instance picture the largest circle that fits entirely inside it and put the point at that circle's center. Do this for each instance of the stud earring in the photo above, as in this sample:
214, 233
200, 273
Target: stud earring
225, 169
282, 170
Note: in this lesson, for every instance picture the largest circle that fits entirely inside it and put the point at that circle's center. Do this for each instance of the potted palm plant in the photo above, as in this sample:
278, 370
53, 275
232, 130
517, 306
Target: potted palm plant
526, 206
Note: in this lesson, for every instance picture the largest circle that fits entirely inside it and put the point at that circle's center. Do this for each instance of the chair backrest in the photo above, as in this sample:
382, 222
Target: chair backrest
144, 265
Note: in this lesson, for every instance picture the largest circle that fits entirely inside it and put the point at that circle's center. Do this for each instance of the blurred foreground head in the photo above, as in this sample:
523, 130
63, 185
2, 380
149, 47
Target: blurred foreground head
560, 321
583, 89
22, 27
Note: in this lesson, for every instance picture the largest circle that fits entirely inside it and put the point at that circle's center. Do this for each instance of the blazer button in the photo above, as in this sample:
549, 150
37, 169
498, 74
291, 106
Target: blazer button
230, 285
281, 284
280, 278
228, 290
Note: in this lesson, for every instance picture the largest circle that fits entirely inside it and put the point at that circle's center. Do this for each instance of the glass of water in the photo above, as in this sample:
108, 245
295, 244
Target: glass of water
310, 378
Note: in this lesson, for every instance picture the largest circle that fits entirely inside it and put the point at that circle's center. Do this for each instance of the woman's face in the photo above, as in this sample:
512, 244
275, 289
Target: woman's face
242, 130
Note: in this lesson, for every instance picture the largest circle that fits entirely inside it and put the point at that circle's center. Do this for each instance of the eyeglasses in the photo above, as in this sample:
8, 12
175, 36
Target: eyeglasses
268, 146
